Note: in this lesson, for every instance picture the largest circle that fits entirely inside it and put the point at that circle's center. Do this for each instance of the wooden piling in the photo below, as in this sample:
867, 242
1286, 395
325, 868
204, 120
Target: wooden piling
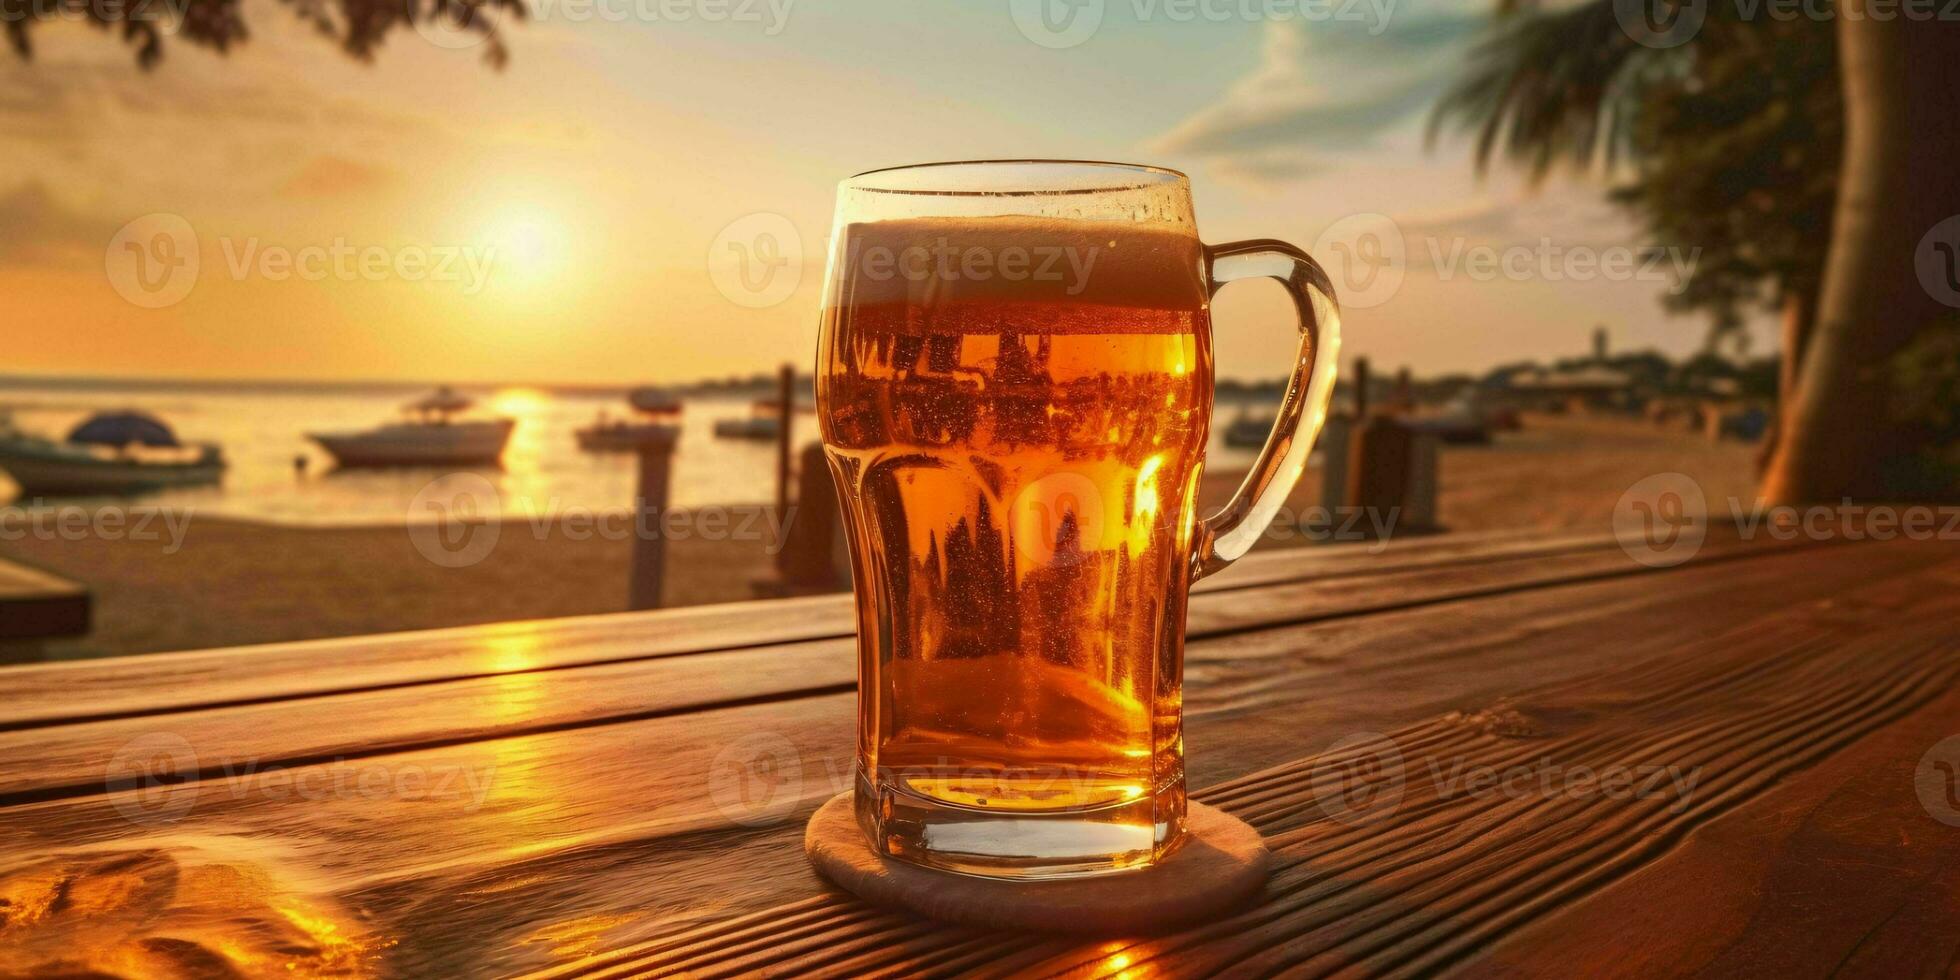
786, 416
649, 571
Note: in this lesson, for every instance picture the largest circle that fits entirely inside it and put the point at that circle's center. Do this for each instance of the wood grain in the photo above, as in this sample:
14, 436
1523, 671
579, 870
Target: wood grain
605, 840
78, 758
1443, 873
35, 605
149, 685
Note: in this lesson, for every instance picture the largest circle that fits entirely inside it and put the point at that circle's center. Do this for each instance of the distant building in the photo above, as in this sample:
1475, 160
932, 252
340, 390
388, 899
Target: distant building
1581, 388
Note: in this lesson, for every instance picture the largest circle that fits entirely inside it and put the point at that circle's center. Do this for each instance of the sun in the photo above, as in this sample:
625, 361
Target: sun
526, 249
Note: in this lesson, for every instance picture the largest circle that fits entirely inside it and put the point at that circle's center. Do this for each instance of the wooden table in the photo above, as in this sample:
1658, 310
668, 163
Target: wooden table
35, 605
1527, 755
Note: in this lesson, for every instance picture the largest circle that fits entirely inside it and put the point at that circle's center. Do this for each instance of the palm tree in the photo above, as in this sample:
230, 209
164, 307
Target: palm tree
1902, 137
1573, 85
357, 26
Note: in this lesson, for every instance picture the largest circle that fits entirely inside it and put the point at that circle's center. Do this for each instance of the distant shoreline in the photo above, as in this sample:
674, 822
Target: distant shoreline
238, 581
1231, 390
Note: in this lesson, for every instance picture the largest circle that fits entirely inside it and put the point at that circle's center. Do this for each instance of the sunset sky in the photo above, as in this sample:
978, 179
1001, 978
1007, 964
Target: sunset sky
594, 174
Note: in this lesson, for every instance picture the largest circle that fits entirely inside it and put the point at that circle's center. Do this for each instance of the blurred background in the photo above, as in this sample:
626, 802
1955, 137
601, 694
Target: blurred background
1578, 246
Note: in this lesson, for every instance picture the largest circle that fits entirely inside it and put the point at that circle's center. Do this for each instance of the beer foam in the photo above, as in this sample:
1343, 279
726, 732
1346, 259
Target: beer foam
1043, 275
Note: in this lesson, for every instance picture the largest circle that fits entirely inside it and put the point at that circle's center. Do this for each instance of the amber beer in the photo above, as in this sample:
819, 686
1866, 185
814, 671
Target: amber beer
1015, 407
1021, 457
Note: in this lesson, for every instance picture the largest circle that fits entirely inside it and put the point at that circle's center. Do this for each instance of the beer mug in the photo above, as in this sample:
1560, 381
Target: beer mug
1014, 384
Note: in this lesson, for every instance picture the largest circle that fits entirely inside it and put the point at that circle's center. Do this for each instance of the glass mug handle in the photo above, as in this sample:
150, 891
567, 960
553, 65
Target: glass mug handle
1226, 536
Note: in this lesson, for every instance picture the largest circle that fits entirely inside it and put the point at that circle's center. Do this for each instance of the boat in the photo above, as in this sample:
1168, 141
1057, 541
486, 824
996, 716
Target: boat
111, 453
660, 411
764, 421
753, 427
431, 435
1463, 421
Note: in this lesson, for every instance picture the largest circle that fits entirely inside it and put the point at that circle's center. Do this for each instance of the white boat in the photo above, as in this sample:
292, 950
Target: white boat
614, 435
430, 436
753, 427
660, 411
765, 421
110, 454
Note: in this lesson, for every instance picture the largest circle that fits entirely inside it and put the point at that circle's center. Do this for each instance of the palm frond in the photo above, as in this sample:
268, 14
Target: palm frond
1551, 85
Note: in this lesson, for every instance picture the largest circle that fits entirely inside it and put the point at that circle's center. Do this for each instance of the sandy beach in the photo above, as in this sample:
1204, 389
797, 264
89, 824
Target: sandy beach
230, 582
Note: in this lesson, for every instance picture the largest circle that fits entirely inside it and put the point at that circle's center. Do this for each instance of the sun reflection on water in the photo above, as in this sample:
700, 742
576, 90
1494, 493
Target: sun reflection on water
523, 479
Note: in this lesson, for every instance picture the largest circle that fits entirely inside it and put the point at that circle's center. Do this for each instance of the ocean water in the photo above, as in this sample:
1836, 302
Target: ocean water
263, 430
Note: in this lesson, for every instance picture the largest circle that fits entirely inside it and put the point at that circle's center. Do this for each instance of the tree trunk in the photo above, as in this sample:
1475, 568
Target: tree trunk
1902, 136
1798, 309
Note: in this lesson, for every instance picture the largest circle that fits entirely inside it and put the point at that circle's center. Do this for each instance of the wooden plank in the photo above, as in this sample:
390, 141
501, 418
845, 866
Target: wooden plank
151, 684
1843, 868
74, 759
1434, 873
36, 605
602, 837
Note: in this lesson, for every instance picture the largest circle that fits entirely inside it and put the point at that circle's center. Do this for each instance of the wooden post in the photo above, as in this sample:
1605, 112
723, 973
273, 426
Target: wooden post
787, 415
1360, 389
649, 571
809, 559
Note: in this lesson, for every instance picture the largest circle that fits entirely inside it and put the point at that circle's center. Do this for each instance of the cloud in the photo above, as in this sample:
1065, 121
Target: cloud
87, 121
1324, 89
333, 176
1564, 217
35, 228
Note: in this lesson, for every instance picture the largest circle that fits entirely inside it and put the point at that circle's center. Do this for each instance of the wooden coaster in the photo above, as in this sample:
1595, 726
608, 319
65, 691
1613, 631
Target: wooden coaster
1221, 865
